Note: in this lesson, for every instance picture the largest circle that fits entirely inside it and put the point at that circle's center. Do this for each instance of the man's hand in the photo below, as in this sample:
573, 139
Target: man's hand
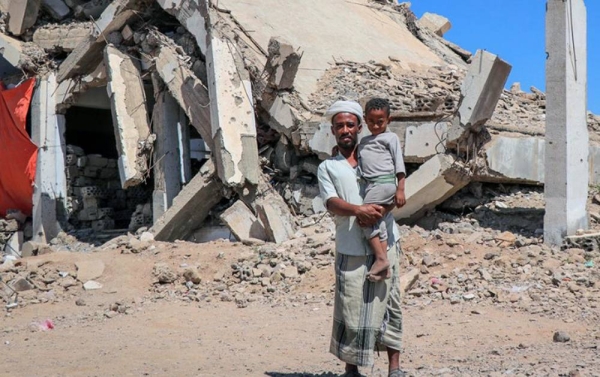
399, 198
368, 214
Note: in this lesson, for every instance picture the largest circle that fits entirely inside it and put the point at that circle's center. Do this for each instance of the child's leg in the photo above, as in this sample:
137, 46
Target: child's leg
380, 268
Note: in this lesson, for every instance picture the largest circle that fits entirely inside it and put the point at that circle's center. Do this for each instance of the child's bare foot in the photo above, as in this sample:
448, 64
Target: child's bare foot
379, 271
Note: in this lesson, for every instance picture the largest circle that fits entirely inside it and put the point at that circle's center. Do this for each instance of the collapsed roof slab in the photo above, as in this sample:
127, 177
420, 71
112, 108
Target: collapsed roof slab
190, 207
435, 181
88, 54
130, 118
325, 30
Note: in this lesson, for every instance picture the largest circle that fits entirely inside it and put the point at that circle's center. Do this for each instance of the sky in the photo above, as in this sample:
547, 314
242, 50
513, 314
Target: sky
515, 31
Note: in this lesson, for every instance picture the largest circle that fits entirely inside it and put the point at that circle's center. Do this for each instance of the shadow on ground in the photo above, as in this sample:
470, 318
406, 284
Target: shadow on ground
301, 374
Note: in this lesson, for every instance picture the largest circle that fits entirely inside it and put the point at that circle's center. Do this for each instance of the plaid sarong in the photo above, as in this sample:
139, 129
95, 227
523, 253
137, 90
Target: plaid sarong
365, 314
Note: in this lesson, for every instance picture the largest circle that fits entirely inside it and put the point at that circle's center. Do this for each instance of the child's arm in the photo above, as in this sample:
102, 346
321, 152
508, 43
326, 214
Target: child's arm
396, 151
400, 198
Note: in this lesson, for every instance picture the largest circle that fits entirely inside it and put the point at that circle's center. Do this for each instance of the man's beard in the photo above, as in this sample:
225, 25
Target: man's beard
347, 145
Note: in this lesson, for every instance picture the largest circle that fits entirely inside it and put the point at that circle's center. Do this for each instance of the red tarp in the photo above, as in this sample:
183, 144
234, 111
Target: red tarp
18, 154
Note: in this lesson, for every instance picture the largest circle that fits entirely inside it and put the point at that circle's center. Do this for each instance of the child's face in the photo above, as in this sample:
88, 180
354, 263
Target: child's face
377, 121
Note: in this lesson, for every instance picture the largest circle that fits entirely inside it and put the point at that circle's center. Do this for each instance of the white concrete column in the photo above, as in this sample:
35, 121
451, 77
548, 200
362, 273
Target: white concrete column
566, 165
168, 170
50, 191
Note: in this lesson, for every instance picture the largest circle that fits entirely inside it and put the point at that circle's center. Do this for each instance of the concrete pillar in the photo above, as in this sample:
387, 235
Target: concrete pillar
168, 170
566, 168
50, 191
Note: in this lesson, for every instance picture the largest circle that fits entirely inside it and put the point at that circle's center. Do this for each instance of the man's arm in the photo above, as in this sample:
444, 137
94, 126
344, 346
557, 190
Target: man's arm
367, 214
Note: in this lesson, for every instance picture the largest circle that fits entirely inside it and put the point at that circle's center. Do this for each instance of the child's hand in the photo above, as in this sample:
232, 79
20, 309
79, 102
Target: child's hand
400, 199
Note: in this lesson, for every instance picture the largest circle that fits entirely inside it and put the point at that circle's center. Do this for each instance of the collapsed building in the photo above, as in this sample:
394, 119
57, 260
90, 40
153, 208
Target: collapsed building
165, 115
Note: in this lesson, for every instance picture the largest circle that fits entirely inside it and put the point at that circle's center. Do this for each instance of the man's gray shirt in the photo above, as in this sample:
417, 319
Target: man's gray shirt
337, 179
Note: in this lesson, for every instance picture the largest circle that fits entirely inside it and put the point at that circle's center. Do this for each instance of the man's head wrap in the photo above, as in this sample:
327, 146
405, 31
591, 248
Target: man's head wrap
351, 107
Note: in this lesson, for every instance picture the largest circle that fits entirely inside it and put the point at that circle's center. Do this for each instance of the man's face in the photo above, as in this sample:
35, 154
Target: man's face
345, 127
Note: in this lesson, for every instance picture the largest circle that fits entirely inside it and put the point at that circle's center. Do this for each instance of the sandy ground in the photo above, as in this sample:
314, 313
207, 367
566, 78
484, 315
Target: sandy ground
171, 337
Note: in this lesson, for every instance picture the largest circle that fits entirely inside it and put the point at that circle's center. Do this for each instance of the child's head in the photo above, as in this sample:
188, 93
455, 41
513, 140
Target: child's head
377, 115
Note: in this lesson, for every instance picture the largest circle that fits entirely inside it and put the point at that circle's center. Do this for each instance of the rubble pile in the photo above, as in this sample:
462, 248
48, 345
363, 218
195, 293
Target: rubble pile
434, 90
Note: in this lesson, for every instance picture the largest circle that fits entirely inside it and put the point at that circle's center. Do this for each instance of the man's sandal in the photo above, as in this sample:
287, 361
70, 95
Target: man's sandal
397, 373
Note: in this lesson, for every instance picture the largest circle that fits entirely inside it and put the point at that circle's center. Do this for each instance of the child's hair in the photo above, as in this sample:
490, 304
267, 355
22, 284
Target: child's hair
378, 104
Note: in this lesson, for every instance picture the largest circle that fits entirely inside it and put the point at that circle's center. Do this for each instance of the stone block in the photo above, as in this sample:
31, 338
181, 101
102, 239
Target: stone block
82, 162
22, 14
30, 248
91, 171
88, 214
103, 224
89, 269
435, 23
242, 222
97, 160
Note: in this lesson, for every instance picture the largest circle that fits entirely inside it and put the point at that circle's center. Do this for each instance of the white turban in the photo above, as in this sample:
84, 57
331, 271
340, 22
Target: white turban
351, 107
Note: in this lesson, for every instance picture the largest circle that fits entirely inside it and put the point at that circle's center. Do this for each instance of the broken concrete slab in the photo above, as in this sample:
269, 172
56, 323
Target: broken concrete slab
480, 92
91, 9
435, 181
88, 54
515, 160
184, 86
10, 55
70, 91
242, 222
281, 115
62, 37
89, 270
190, 207
437, 24
423, 141
22, 14
50, 189
56, 8
232, 115
130, 117
282, 64
273, 212
189, 15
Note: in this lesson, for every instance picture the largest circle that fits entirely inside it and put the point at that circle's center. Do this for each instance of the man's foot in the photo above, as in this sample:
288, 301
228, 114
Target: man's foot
396, 373
352, 373
379, 271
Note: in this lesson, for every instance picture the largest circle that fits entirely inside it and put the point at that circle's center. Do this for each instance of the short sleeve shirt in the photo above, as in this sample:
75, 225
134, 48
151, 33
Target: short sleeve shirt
338, 179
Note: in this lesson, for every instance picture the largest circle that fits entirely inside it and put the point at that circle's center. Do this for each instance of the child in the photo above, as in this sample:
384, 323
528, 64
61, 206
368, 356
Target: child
381, 164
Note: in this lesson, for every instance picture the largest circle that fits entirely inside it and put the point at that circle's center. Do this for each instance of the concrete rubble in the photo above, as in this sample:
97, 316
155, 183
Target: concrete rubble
203, 116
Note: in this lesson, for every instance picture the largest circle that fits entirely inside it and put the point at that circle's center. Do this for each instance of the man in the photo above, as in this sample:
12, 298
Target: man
366, 313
